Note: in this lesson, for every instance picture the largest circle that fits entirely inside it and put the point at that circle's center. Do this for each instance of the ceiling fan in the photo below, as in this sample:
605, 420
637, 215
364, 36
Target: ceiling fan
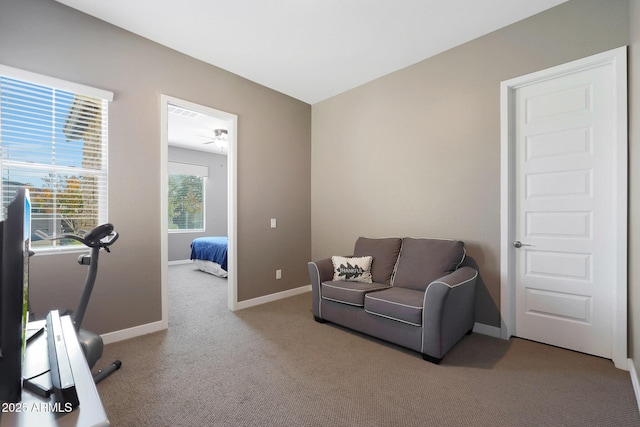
219, 135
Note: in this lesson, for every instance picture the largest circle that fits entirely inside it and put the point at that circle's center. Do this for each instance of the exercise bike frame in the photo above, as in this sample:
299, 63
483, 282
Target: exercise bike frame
94, 240
101, 237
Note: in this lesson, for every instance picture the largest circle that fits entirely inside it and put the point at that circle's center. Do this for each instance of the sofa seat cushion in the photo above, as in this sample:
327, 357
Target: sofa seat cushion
401, 304
348, 292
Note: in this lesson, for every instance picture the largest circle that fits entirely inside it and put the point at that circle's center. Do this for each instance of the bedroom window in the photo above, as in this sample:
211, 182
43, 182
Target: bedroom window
186, 198
53, 140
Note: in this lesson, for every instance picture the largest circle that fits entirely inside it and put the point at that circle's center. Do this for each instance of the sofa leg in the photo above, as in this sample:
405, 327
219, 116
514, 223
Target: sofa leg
431, 359
319, 319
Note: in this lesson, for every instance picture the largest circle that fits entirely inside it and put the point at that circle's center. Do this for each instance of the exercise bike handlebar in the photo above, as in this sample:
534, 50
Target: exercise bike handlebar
92, 239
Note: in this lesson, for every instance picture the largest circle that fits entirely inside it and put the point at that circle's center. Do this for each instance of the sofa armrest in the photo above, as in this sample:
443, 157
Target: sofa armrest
448, 311
463, 276
319, 271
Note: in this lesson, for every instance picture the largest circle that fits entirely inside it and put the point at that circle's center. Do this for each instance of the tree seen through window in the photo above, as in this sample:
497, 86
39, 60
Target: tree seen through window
186, 202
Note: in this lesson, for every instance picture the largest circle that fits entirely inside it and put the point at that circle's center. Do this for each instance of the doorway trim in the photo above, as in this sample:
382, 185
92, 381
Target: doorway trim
618, 59
232, 199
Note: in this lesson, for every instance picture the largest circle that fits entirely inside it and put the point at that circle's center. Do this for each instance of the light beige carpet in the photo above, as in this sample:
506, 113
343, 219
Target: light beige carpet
273, 365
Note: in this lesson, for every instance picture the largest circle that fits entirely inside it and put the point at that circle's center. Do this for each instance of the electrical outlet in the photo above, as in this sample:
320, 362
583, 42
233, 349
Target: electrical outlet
278, 274
273, 223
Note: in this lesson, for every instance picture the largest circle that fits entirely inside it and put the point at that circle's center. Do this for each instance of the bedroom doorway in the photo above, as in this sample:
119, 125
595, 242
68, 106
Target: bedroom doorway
207, 126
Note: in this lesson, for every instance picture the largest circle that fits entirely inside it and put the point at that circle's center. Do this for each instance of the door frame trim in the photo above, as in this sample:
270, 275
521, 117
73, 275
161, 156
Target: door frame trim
618, 59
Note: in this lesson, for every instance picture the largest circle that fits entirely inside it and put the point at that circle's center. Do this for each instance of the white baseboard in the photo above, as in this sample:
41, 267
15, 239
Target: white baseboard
136, 331
180, 261
492, 331
635, 381
273, 297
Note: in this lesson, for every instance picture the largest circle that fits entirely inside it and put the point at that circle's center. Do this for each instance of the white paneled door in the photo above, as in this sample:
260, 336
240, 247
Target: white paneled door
565, 210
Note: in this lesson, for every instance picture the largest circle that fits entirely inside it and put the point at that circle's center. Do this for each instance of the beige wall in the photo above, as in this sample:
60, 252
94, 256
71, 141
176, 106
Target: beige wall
46, 37
417, 152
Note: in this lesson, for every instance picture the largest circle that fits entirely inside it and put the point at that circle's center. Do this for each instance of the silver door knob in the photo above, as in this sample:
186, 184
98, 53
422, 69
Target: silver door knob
519, 244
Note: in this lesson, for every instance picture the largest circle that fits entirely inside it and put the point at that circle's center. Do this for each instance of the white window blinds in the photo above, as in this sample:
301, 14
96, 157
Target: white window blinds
53, 140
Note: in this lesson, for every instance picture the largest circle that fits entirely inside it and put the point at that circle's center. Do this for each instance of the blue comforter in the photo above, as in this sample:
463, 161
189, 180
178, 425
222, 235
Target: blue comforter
211, 249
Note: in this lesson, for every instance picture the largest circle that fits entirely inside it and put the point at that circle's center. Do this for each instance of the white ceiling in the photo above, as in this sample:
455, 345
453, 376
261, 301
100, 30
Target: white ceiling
311, 49
194, 130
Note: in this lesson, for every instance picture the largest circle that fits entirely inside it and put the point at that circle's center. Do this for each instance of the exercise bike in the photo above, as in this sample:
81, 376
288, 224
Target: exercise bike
101, 237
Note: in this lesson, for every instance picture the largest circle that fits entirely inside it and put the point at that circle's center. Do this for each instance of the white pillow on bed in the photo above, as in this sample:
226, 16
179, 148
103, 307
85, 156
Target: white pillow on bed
352, 269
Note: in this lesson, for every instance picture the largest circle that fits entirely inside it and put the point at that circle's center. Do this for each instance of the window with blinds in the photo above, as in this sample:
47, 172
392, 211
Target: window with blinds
53, 140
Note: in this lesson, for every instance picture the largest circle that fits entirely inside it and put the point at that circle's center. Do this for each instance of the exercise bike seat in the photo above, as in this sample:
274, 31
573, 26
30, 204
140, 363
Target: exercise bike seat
93, 237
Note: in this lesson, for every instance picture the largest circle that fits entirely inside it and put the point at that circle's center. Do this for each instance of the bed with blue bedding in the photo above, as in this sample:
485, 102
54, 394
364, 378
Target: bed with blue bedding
210, 254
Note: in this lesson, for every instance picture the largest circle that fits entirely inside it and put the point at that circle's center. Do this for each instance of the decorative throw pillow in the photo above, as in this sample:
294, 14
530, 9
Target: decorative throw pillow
353, 269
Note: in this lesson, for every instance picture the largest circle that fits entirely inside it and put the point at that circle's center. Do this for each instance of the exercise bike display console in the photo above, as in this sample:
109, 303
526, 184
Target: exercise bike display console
101, 237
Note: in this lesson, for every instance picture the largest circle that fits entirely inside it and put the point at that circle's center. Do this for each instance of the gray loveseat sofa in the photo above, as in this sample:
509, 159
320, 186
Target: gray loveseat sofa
418, 294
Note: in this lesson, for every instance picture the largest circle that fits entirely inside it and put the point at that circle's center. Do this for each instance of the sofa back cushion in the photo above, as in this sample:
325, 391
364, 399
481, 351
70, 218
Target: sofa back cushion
425, 260
385, 253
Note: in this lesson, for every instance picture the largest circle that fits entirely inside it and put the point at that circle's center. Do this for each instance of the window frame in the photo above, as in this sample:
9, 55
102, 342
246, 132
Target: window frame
103, 171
